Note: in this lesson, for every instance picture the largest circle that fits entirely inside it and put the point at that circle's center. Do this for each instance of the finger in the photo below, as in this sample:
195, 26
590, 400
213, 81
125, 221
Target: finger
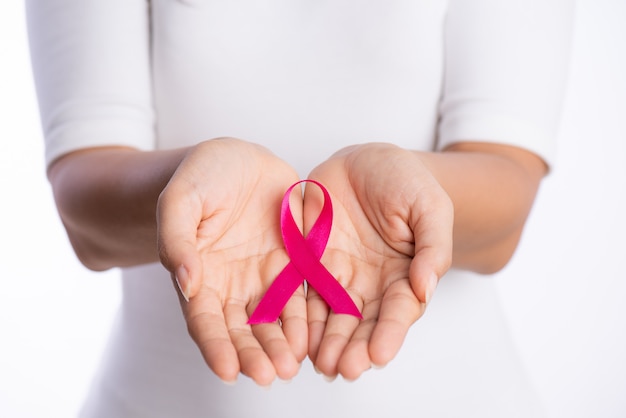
433, 247
427, 267
178, 217
337, 334
207, 327
272, 337
294, 324
294, 314
317, 308
317, 315
355, 358
272, 340
399, 309
254, 361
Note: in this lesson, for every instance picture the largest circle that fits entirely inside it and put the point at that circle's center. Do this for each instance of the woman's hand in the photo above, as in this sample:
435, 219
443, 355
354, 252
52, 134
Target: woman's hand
391, 241
219, 235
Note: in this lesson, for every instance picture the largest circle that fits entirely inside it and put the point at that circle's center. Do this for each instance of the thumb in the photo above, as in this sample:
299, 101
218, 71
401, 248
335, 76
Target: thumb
433, 249
178, 217
424, 274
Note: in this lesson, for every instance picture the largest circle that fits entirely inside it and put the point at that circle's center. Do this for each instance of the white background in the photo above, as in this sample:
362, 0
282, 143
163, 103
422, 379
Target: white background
564, 292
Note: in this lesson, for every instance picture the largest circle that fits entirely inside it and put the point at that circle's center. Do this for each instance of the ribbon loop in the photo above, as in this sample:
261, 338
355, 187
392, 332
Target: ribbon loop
305, 255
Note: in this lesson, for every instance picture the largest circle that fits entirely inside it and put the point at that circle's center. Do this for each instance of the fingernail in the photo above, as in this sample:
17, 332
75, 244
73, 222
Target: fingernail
229, 382
329, 379
326, 378
431, 286
377, 367
182, 281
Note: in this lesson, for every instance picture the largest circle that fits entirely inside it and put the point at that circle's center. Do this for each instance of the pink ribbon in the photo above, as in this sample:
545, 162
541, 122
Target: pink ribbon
305, 255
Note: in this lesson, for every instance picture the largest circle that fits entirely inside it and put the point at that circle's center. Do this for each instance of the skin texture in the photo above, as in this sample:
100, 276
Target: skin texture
227, 241
210, 214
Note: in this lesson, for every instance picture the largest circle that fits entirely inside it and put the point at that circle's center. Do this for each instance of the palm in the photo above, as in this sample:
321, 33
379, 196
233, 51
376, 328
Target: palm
371, 251
235, 253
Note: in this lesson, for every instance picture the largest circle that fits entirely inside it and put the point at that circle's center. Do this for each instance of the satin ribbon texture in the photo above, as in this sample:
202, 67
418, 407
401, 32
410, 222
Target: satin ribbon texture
305, 255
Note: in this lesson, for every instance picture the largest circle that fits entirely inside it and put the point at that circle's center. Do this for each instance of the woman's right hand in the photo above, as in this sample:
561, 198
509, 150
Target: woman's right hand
219, 235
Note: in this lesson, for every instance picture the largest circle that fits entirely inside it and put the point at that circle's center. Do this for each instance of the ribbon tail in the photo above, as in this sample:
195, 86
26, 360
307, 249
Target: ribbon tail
277, 296
334, 294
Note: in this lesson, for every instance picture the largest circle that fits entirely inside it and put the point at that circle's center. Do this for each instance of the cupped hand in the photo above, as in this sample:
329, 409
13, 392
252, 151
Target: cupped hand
391, 241
219, 235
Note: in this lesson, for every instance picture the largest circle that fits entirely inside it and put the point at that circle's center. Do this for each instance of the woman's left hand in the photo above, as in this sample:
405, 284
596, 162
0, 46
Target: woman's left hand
391, 241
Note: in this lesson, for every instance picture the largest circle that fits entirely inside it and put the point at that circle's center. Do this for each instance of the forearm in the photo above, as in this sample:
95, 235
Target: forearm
107, 199
492, 188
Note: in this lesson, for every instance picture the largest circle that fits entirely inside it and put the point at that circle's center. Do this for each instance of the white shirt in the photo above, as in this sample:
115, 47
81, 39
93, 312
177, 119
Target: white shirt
304, 78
